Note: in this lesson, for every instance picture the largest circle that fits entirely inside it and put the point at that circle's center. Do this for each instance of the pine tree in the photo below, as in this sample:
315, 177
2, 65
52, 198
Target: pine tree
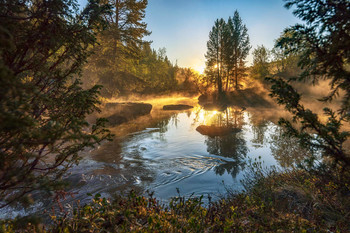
42, 104
237, 48
119, 47
323, 46
215, 53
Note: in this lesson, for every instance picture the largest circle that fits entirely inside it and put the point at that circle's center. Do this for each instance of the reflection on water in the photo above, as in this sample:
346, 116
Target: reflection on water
195, 151
232, 146
287, 151
170, 152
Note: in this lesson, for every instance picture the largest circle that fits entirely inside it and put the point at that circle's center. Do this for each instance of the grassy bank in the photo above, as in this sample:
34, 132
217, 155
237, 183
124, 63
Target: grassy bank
295, 201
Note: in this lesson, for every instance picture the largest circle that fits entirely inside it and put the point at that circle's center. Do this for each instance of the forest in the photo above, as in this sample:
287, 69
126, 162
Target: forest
101, 132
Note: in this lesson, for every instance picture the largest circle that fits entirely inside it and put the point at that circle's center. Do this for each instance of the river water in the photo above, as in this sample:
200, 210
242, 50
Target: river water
166, 152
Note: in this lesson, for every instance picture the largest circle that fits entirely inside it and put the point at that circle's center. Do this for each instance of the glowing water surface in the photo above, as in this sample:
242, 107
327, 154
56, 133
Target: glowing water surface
168, 153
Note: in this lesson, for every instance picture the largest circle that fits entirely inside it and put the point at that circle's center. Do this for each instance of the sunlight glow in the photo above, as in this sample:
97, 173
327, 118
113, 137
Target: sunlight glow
199, 68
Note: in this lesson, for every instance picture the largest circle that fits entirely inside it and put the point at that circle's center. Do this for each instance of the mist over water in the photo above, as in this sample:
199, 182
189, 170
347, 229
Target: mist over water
166, 151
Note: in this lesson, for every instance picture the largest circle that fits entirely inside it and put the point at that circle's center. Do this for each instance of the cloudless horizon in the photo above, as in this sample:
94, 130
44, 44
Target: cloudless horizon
183, 26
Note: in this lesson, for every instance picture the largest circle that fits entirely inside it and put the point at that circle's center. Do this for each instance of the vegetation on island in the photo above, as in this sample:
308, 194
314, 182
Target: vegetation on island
47, 45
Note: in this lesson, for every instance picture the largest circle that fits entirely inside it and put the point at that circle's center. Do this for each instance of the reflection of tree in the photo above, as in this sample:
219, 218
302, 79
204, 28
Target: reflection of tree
163, 124
235, 117
230, 117
286, 150
259, 127
231, 146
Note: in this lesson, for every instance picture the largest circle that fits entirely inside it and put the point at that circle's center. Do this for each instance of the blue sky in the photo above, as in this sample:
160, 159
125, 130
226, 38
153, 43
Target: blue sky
183, 26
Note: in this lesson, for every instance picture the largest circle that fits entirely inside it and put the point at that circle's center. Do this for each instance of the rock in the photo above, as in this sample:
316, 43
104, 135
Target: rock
116, 119
213, 131
177, 107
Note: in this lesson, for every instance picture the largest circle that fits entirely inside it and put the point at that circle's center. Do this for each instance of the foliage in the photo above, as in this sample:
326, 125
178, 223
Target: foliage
237, 49
42, 103
329, 138
118, 46
260, 69
227, 48
323, 43
123, 62
322, 54
293, 201
215, 53
282, 64
156, 71
190, 81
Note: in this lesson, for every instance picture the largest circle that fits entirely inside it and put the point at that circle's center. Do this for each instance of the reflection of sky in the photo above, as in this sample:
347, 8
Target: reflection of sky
180, 157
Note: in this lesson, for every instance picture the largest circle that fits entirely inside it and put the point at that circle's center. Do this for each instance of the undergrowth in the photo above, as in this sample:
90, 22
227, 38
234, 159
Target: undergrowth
293, 201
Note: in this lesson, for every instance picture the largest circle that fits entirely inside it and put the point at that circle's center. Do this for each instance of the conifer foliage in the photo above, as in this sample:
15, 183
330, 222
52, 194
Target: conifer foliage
42, 104
323, 46
227, 48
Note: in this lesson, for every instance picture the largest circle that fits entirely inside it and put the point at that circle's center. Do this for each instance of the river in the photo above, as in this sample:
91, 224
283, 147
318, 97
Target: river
166, 153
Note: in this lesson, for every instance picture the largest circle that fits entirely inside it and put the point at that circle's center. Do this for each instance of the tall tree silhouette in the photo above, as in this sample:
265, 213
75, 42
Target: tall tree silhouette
119, 46
227, 48
215, 53
236, 49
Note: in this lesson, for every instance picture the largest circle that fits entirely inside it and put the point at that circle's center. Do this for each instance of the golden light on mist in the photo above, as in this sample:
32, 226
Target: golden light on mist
199, 68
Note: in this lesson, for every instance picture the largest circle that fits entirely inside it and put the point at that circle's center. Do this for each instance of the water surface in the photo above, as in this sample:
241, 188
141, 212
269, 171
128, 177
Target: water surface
167, 152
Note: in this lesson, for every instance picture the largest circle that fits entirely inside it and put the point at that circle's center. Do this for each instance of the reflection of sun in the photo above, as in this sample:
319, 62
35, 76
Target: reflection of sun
205, 117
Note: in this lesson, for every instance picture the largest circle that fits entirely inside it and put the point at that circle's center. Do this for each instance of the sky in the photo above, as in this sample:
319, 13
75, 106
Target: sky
183, 26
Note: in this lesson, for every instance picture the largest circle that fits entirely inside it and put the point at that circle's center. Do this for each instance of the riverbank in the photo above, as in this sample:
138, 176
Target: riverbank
295, 201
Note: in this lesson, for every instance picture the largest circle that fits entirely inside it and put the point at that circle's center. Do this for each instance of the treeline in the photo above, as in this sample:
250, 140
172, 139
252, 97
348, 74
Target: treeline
227, 49
149, 72
267, 63
123, 62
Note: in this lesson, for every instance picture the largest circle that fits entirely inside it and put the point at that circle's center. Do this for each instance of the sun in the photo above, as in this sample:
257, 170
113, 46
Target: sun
199, 68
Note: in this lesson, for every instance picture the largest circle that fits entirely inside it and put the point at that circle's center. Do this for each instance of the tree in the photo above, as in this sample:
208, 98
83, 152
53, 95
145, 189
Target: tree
237, 48
323, 45
119, 47
260, 69
42, 104
215, 53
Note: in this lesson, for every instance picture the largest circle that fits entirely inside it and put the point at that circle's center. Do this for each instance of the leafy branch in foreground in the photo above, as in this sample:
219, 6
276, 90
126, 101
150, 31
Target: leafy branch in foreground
43, 107
322, 45
313, 134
